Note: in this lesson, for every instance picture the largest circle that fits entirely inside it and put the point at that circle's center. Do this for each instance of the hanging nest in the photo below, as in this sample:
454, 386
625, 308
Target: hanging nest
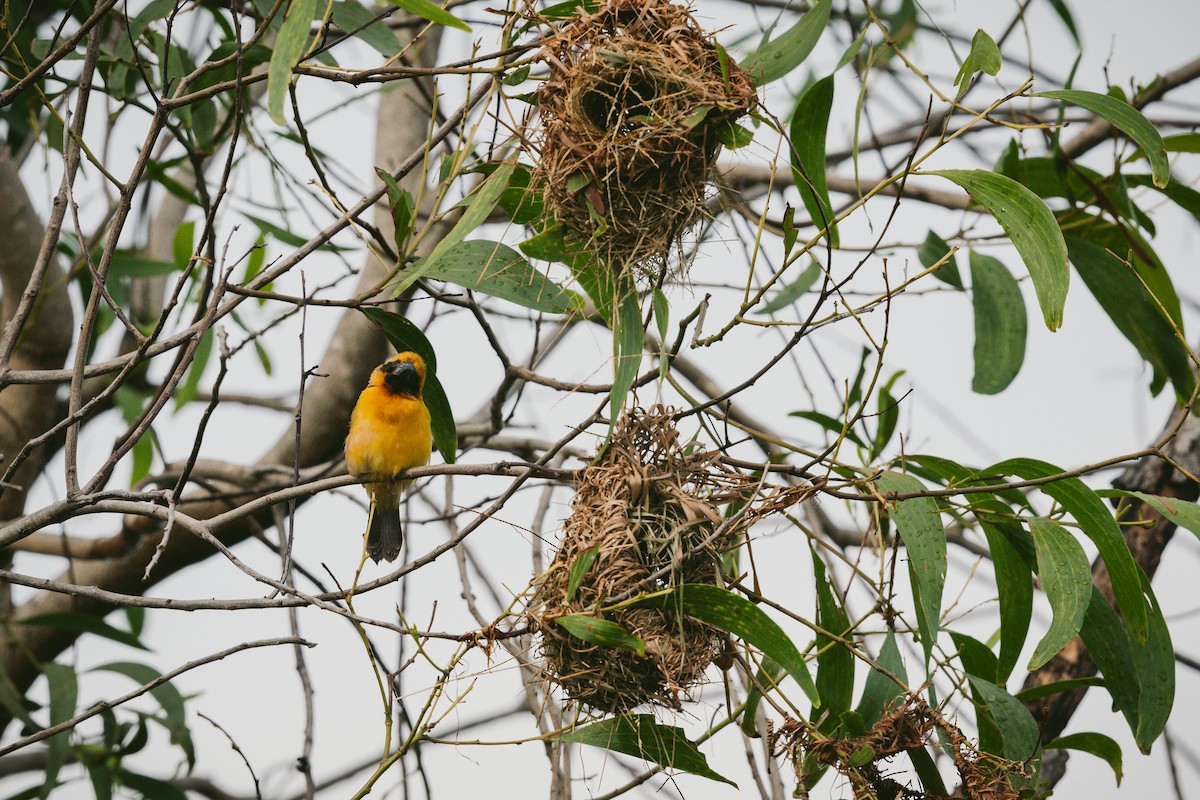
645, 515
907, 726
631, 121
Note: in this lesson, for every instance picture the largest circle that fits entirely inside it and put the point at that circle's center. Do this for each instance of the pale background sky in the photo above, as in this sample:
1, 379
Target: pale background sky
1080, 396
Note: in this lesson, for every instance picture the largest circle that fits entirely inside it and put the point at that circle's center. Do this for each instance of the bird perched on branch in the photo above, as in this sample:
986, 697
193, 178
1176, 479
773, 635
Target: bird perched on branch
389, 433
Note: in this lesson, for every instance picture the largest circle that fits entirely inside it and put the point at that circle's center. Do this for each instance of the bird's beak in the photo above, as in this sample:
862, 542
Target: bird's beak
401, 377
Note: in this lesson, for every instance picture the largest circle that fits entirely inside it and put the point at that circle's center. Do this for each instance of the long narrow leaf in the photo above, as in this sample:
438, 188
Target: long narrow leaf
629, 339
641, 736
1097, 522
479, 206
1096, 744
64, 695
734, 614
835, 663
1017, 727
290, 45
1014, 586
1031, 227
1066, 578
1001, 325
810, 122
920, 526
787, 51
1134, 312
496, 269
1155, 665
881, 690
1126, 119
601, 632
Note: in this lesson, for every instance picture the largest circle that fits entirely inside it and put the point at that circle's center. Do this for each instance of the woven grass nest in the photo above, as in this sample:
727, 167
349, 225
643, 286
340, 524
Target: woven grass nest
906, 726
628, 129
648, 511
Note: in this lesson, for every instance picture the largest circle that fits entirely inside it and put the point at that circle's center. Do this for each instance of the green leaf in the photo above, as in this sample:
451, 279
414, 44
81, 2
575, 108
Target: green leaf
832, 424
185, 392
1064, 13
789, 294
150, 788
1126, 119
102, 778
1066, 578
290, 46
441, 418
778, 57
732, 135
1096, 744
479, 206
807, 131
641, 736
1050, 177
983, 57
927, 772
167, 697
1016, 725
405, 336
1155, 665
662, 316
1183, 513
880, 691
629, 339
1031, 227
920, 526
350, 15
280, 233
1014, 587
181, 245
580, 568
1112, 649
887, 415
933, 250
979, 661
85, 623
1134, 312
127, 264
404, 211
767, 676
496, 269
1096, 521
1058, 687
433, 13
143, 458
601, 632
63, 686
1131, 246
835, 662
1001, 326
976, 657
734, 614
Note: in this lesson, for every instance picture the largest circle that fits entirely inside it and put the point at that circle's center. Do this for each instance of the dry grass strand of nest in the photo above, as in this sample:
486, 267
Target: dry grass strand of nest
983, 776
647, 510
629, 127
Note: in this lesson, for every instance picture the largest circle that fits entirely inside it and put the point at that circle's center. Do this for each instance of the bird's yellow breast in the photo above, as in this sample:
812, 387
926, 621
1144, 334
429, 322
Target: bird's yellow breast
388, 433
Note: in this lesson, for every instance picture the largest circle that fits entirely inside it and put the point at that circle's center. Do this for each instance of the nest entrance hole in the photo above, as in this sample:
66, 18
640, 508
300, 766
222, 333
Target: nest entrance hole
620, 102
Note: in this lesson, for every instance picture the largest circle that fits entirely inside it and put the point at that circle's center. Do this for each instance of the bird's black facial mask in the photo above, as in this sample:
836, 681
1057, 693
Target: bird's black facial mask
401, 378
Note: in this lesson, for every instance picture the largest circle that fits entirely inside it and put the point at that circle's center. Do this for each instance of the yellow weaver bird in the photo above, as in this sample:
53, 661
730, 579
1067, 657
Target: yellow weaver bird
389, 433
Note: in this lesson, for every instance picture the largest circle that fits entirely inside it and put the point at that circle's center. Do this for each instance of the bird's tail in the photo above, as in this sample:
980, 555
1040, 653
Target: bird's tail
384, 534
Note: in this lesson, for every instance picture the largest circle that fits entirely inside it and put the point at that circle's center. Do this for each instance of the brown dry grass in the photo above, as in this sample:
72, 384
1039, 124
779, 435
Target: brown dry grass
982, 775
628, 128
649, 507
